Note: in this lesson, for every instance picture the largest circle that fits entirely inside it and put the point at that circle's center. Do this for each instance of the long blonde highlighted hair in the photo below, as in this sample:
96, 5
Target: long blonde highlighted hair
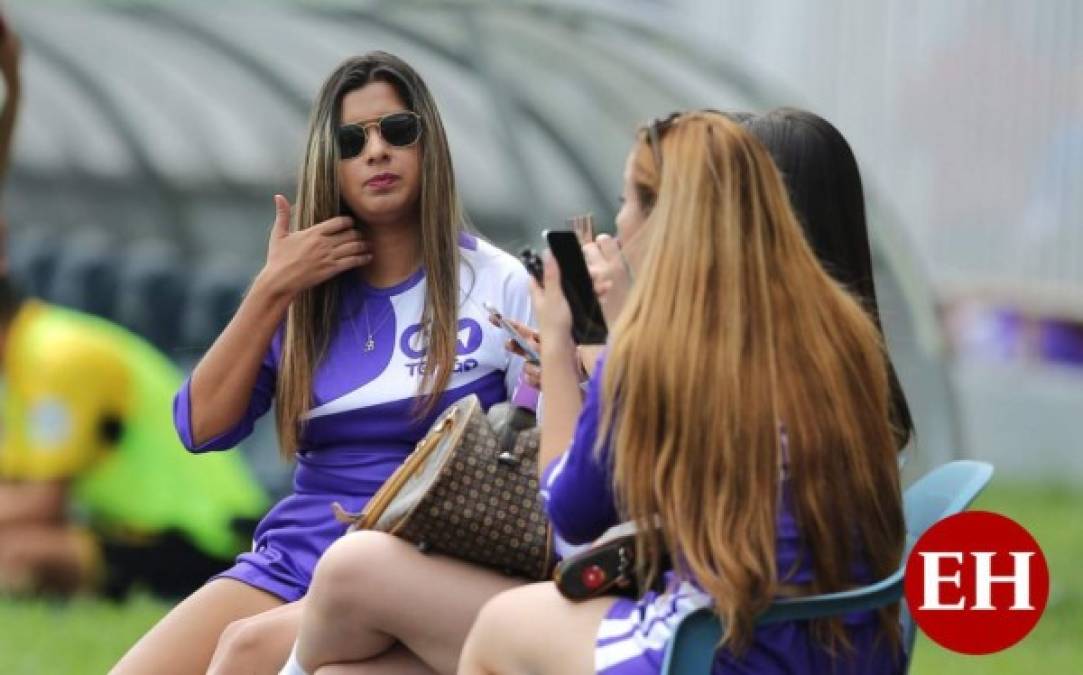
736, 361
313, 315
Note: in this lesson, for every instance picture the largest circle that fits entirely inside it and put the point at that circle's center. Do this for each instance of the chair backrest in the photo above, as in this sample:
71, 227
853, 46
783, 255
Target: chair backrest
942, 492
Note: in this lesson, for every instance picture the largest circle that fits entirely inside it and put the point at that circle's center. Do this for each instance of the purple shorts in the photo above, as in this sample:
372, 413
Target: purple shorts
289, 541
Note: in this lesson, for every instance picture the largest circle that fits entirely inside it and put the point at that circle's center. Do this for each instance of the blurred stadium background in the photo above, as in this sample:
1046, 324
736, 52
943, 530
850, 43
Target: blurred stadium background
153, 135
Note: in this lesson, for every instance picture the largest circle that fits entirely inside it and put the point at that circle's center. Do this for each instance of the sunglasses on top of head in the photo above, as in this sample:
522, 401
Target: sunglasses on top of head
400, 129
658, 126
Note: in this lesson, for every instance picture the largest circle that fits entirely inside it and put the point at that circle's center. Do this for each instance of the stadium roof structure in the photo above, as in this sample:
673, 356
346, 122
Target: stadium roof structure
177, 121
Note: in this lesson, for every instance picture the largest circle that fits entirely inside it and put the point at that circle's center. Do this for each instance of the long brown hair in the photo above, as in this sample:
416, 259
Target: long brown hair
313, 315
771, 348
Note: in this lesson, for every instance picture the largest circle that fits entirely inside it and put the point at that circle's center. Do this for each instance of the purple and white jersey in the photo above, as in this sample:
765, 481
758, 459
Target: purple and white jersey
631, 640
363, 422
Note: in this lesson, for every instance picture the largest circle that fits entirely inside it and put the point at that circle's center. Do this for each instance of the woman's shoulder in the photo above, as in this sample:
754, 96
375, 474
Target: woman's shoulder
488, 257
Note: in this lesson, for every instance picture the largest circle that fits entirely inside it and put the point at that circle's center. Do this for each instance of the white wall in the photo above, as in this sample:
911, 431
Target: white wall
966, 115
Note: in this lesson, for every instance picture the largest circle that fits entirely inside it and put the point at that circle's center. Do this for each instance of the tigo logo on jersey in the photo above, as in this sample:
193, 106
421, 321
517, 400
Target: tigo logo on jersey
468, 340
977, 582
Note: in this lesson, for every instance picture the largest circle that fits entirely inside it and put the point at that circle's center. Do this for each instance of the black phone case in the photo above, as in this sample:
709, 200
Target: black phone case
588, 323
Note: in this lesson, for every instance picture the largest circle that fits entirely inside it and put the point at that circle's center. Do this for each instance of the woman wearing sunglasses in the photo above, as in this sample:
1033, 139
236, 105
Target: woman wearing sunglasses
366, 321
762, 447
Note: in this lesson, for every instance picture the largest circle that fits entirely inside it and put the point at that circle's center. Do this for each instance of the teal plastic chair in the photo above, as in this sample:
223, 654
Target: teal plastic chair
942, 492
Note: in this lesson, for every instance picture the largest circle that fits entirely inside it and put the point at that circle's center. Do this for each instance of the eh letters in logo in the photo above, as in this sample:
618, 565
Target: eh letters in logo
976, 582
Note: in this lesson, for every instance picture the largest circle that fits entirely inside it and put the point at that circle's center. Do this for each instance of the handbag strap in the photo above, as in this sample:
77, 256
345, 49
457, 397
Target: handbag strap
375, 506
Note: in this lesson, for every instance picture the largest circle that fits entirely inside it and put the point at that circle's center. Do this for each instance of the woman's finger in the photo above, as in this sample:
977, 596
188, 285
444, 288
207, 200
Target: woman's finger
608, 247
333, 226
350, 248
593, 255
524, 330
532, 374
513, 347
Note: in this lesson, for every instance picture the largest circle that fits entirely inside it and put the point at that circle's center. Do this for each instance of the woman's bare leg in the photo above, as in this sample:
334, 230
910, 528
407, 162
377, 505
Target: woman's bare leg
184, 640
372, 590
257, 644
396, 661
534, 630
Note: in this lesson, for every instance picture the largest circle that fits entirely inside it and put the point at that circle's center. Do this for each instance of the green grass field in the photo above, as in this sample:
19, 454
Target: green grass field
87, 636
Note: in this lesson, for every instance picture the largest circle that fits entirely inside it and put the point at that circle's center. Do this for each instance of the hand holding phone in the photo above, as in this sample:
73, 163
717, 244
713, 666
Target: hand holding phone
588, 322
529, 353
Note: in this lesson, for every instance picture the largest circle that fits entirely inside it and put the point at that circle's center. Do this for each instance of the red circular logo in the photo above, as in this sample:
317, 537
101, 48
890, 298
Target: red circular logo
976, 582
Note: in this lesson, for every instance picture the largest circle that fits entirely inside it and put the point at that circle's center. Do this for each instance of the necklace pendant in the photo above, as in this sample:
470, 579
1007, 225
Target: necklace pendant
370, 344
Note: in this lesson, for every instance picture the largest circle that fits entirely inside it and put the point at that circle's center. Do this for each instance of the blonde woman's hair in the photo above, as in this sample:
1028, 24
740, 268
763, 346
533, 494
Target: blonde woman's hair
736, 361
312, 317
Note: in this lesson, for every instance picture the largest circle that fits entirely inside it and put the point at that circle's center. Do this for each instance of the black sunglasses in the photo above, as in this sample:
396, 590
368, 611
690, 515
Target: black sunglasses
401, 129
655, 128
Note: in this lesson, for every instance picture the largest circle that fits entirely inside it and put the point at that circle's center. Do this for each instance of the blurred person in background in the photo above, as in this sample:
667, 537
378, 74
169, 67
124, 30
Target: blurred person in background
96, 492
781, 380
365, 323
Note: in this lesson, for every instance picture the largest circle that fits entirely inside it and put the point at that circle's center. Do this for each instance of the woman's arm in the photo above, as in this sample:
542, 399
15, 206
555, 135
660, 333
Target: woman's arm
563, 400
222, 384
560, 376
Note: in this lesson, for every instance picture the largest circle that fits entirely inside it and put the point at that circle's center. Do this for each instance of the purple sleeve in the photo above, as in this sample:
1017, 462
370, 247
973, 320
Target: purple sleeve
577, 490
262, 394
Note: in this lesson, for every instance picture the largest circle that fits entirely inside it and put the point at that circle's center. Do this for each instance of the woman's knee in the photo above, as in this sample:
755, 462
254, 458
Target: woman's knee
240, 647
352, 569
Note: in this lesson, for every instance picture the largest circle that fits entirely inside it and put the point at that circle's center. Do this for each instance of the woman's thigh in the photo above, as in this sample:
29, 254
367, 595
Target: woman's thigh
534, 629
184, 640
382, 589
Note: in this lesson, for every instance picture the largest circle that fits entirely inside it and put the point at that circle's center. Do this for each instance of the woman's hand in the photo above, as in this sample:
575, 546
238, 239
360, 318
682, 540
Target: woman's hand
554, 314
297, 261
531, 371
610, 274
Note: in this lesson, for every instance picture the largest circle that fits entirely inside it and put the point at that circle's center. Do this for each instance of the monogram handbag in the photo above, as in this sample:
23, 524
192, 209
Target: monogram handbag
469, 490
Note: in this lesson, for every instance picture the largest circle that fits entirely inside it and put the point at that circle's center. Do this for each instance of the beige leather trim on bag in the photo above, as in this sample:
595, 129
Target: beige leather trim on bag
371, 514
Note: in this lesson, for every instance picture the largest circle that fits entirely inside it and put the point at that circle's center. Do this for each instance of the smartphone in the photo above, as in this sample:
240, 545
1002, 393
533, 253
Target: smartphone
588, 323
533, 264
531, 355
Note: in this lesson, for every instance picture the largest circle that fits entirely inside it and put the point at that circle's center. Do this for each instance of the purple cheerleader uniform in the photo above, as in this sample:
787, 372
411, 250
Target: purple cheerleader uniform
362, 424
632, 638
